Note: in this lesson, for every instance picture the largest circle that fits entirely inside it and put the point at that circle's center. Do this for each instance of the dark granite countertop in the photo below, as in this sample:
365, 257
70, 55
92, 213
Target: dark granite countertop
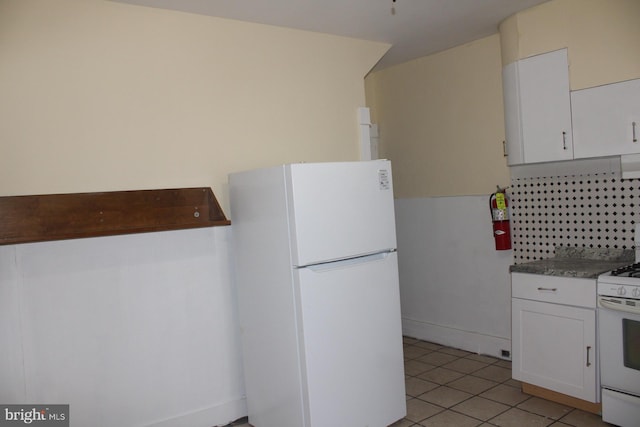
577, 262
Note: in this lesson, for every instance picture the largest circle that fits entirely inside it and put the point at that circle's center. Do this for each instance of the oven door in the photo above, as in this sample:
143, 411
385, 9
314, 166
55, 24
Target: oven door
619, 336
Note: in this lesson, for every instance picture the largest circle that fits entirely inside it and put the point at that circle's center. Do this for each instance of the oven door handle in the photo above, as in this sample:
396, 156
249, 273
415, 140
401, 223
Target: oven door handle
606, 303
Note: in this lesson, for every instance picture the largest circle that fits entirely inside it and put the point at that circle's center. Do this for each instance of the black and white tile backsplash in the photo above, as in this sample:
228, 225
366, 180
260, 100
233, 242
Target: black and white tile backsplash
596, 210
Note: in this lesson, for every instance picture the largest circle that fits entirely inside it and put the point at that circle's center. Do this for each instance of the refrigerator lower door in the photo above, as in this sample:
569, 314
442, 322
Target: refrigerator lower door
352, 342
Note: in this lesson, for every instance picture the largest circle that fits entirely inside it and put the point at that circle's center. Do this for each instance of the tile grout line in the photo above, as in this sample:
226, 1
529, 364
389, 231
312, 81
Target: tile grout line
487, 363
418, 351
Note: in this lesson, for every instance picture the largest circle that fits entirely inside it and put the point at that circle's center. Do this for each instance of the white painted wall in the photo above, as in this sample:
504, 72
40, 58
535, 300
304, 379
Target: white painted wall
454, 286
136, 330
441, 121
599, 34
105, 96
100, 96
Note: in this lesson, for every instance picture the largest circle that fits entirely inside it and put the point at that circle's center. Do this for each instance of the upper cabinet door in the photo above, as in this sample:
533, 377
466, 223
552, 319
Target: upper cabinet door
512, 123
538, 109
603, 120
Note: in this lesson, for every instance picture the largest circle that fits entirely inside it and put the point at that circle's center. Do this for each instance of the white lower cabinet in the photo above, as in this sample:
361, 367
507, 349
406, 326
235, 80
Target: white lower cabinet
553, 340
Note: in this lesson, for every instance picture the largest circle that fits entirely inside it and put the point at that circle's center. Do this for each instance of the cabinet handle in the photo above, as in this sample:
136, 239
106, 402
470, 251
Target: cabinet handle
588, 350
633, 126
548, 289
564, 140
504, 148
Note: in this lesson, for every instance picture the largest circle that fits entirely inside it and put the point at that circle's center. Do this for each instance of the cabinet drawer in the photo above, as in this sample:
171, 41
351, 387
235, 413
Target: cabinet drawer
560, 290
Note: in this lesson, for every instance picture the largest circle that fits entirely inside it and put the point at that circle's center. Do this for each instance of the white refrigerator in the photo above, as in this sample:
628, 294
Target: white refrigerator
317, 284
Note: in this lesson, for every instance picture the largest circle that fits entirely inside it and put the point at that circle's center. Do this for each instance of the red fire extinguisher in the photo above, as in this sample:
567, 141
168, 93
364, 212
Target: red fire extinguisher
499, 207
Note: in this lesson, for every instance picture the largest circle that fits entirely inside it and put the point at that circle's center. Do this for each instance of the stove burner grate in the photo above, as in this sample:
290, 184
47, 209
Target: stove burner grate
632, 270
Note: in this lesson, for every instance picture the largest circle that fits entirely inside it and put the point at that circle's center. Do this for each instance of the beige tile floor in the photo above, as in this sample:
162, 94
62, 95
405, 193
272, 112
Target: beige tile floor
450, 387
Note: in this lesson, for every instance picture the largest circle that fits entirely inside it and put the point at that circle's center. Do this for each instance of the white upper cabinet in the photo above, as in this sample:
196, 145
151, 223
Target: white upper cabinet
512, 114
603, 120
538, 109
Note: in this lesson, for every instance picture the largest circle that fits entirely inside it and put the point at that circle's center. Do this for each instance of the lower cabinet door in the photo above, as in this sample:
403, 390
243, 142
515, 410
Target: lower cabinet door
554, 347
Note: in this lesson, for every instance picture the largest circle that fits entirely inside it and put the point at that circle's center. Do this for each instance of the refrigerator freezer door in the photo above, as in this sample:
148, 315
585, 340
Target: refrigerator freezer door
340, 210
352, 342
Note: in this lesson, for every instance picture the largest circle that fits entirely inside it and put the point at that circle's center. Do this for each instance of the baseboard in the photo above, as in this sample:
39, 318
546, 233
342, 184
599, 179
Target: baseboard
554, 396
465, 340
218, 415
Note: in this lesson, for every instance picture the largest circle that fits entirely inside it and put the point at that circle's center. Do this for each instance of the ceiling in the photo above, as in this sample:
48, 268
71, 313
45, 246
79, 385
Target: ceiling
414, 28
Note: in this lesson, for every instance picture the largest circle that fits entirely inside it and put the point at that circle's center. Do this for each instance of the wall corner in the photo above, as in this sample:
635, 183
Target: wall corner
509, 40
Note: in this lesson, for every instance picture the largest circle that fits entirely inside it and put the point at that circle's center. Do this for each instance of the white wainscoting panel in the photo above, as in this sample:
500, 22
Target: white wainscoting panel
134, 330
455, 287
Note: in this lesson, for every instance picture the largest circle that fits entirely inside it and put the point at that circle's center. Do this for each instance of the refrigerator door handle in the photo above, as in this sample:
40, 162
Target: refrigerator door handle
349, 262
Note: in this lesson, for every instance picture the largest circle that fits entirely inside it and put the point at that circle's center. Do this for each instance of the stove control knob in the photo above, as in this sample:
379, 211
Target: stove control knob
621, 290
636, 292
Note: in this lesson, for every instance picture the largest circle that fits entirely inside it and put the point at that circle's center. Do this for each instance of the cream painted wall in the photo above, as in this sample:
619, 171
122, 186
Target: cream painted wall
100, 96
603, 37
441, 121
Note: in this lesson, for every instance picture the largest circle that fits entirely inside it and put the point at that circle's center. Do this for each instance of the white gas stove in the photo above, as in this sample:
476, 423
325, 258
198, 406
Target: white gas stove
623, 284
619, 341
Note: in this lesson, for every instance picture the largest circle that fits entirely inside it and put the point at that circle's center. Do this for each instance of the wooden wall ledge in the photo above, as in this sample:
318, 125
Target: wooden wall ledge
25, 219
